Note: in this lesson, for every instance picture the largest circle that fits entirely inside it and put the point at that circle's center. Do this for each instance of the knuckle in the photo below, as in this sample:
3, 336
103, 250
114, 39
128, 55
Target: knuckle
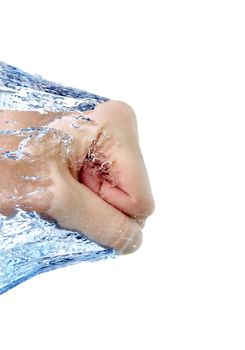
128, 238
124, 105
125, 108
148, 207
144, 207
134, 245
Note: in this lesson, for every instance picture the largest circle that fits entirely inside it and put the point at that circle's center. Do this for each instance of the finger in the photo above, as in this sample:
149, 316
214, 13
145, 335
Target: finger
129, 189
76, 207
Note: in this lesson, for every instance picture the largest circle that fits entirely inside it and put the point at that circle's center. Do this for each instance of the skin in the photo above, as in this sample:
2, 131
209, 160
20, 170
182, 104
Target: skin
100, 187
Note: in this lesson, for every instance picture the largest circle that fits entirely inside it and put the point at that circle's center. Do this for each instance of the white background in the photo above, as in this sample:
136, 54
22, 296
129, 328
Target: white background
180, 64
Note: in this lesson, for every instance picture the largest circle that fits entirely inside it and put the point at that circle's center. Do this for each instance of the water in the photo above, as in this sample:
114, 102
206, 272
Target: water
29, 244
22, 91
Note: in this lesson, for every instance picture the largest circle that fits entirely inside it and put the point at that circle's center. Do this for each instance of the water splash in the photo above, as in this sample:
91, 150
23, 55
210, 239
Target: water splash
30, 244
22, 91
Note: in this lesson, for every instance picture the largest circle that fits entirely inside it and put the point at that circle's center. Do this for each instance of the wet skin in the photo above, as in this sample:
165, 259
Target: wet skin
97, 185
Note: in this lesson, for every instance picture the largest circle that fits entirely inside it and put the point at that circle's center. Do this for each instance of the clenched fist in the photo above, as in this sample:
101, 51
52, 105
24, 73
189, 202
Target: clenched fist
84, 170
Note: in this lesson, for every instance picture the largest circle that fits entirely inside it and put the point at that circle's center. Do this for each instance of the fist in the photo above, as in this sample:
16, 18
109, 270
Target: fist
86, 171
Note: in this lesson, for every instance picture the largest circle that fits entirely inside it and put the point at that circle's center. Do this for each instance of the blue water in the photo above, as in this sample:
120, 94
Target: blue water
29, 244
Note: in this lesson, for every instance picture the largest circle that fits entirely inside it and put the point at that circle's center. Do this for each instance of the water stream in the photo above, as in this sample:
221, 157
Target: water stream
30, 244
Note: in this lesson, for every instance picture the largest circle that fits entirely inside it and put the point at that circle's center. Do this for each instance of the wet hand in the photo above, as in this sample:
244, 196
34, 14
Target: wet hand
96, 180
108, 195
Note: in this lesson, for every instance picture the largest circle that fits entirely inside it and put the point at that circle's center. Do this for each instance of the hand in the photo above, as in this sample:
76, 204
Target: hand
100, 186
